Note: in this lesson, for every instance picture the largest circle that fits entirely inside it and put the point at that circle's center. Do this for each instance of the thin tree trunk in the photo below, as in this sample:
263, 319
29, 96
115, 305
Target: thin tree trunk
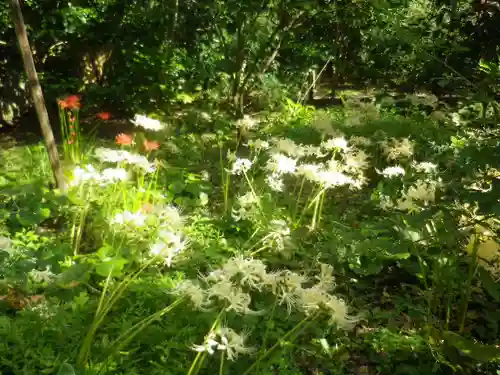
37, 94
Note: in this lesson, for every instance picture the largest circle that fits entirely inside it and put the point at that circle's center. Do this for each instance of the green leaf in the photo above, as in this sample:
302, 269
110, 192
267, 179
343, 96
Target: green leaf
66, 369
76, 273
44, 213
176, 187
113, 266
404, 255
105, 252
479, 352
489, 284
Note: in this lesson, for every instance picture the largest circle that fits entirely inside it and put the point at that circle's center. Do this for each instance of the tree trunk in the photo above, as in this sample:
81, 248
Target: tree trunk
312, 84
37, 94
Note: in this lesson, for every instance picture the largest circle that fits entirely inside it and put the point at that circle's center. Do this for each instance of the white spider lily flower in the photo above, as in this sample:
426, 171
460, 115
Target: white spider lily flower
338, 143
392, 171
147, 123
289, 147
232, 342
423, 191
247, 271
114, 175
83, 175
141, 162
248, 199
325, 278
168, 246
310, 150
420, 192
236, 298
281, 164
194, 292
209, 345
246, 123
333, 179
135, 219
258, 144
395, 148
275, 182
111, 155
224, 339
425, 166
123, 156
279, 235
171, 216
356, 161
310, 171
241, 166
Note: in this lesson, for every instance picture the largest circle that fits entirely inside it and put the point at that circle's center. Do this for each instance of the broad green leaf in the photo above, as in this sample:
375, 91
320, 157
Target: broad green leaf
479, 352
176, 187
489, 284
105, 252
113, 266
66, 369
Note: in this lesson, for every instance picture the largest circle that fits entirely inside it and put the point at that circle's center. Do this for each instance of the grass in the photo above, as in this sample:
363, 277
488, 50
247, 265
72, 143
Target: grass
304, 251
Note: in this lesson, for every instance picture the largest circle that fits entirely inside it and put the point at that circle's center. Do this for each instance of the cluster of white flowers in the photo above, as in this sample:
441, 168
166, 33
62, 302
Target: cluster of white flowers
246, 206
246, 123
232, 283
127, 218
171, 240
425, 166
122, 156
148, 123
279, 235
258, 145
280, 164
345, 167
395, 149
330, 176
422, 192
168, 245
339, 143
275, 182
226, 340
241, 166
88, 174
392, 171
289, 147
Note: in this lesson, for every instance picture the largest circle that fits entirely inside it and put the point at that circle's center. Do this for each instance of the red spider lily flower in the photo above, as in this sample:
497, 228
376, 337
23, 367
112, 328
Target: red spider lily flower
73, 134
70, 102
124, 139
151, 145
104, 115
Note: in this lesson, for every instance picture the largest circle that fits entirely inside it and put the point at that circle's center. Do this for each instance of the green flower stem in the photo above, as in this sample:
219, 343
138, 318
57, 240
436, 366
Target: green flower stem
300, 326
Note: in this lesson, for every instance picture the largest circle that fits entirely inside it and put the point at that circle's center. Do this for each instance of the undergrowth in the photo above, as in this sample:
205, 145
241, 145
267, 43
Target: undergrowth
343, 241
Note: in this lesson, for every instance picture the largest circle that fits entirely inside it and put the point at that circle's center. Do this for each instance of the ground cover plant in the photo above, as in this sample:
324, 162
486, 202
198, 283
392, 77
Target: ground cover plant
228, 209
